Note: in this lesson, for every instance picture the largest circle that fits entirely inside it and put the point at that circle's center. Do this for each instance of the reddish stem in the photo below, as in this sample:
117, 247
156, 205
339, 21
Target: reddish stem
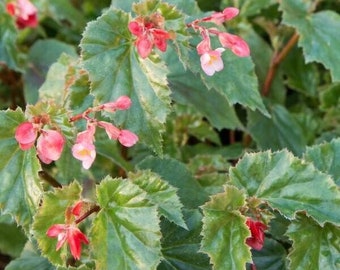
276, 61
94, 209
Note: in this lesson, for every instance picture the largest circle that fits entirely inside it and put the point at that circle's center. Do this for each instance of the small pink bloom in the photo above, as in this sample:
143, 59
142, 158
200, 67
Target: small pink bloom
87, 135
211, 62
85, 152
236, 44
204, 46
69, 233
144, 46
160, 38
50, 146
122, 103
111, 131
127, 138
24, 12
257, 228
26, 135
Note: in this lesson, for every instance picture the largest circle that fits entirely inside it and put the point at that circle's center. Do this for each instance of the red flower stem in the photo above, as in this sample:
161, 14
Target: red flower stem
276, 61
49, 179
94, 209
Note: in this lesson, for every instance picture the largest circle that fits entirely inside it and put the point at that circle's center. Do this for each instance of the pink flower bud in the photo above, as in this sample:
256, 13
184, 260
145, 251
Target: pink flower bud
135, 28
122, 103
236, 44
127, 138
24, 12
204, 46
87, 135
111, 131
25, 135
50, 146
230, 12
226, 15
144, 46
257, 228
77, 208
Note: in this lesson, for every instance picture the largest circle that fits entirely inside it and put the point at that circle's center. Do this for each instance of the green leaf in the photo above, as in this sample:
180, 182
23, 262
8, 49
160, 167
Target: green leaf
271, 257
325, 158
279, 131
250, 8
9, 52
39, 64
224, 230
180, 247
314, 247
319, 37
125, 233
189, 191
288, 184
30, 259
237, 82
330, 96
12, 237
108, 43
20, 187
161, 194
52, 212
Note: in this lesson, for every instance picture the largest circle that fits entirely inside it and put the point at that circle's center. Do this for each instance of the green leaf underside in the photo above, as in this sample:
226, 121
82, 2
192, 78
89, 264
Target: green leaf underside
325, 158
161, 194
20, 187
316, 248
224, 230
126, 232
319, 35
122, 72
52, 212
288, 184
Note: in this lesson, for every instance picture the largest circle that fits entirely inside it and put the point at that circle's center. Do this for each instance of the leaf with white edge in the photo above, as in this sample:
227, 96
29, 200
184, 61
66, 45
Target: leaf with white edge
161, 194
314, 247
319, 35
237, 81
224, 230
107, 43
288, 184
325, 158
182, 179
126, 232
52, 212
20, 187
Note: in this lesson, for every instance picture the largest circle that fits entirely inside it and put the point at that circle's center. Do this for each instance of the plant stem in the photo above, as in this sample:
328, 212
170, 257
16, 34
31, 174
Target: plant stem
276, 61
94, 209
49, 179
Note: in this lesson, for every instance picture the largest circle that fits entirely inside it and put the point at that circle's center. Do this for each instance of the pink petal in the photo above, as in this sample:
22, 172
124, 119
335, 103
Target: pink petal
84, 152
25, 134
230, 12
55, 230
135, 28
111, 131
50, 145
144, 46
204, 46
127, 138
236, 44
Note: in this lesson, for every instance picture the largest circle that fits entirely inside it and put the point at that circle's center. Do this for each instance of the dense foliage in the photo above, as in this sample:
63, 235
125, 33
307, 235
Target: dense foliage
169, 134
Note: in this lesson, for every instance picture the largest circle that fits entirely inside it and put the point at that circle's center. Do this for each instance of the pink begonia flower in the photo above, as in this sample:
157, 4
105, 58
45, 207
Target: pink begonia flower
127, 138
257, 228
84, 149
24, 12
122, 103
71, 234
160, 38
144, 46
111, 131
26, 134
236, 44
50, 145
211, 62
226, 15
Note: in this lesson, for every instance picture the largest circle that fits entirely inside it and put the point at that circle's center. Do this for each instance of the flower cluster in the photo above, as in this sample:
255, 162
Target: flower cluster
69, 232
211, 60
84, 148
257, 228
24, 12
150, 32
50, 142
